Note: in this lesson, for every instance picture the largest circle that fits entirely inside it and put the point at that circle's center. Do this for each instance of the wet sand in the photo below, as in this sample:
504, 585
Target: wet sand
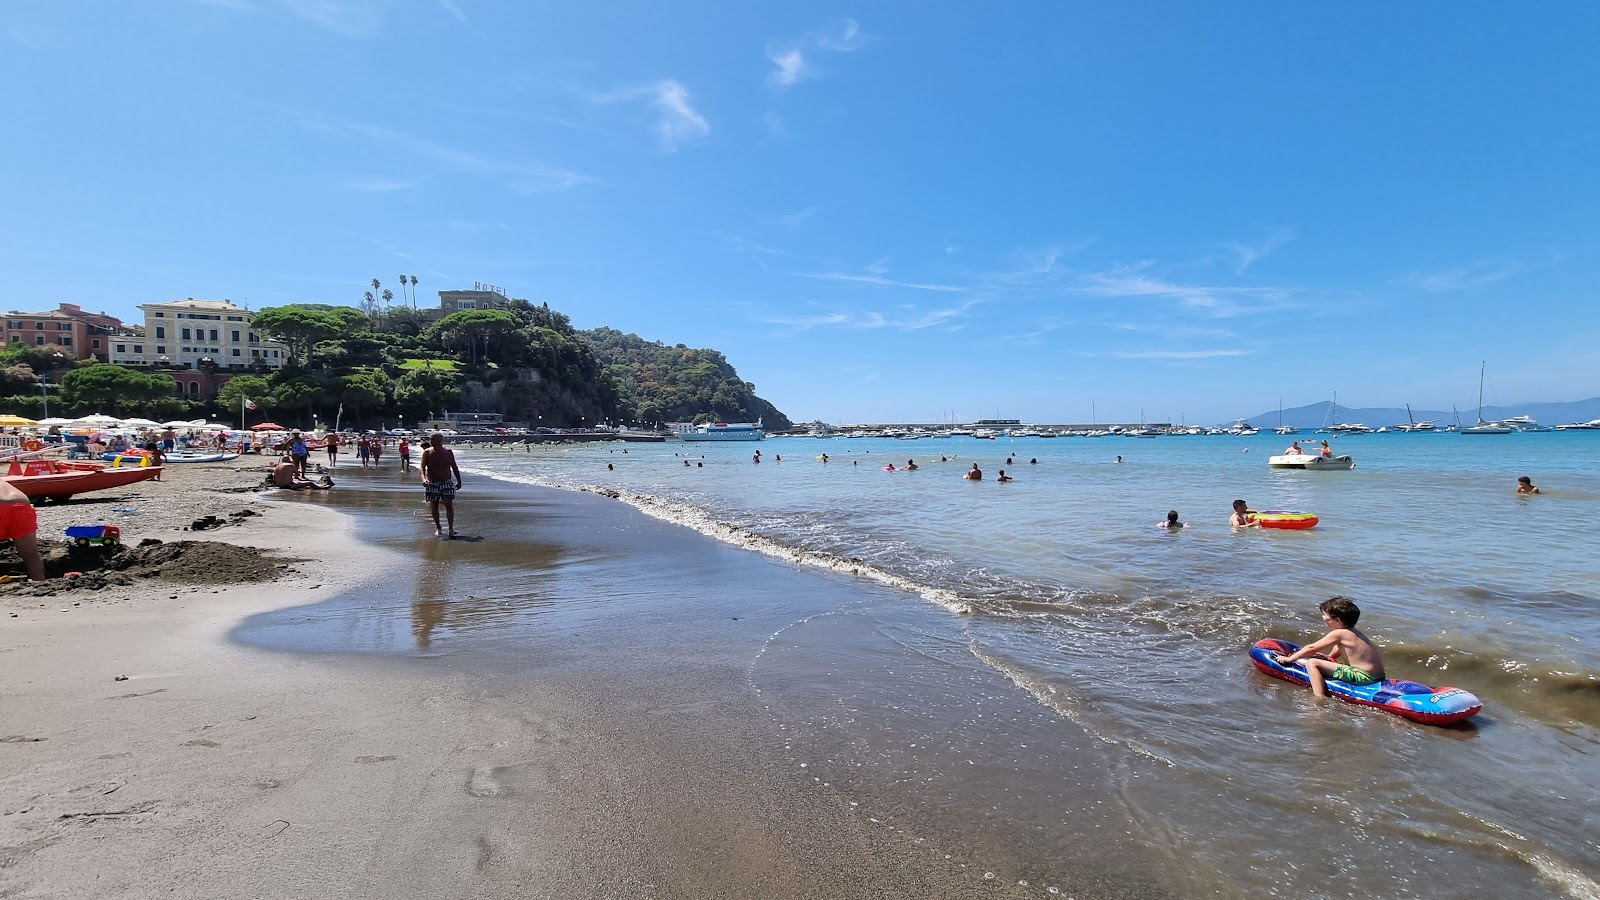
577, 701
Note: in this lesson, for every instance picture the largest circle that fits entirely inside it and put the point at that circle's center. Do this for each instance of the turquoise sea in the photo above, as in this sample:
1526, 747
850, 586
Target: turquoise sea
1061, 582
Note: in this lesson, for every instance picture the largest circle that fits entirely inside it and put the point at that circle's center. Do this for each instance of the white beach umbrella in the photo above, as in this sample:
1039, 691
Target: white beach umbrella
141, 423
98, 420
177, 424
55, 420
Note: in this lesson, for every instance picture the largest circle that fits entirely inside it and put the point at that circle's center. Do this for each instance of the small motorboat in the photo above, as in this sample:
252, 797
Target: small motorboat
1310, 461
198, 457
59, 479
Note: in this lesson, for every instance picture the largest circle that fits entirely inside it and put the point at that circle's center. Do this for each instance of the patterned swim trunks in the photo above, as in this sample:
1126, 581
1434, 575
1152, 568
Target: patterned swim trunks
1353, 675
439, 490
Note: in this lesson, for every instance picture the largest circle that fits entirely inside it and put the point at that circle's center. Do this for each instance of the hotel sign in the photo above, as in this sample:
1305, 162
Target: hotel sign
491, 288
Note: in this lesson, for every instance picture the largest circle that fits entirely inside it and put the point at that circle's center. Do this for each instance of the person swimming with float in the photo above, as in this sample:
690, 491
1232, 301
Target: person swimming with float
1172, 520
974, 473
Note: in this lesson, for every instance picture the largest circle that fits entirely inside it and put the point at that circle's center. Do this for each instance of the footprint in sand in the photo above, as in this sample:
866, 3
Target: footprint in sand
483, 783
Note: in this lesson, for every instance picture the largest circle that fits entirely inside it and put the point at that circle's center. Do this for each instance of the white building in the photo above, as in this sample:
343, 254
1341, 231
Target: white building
183, 332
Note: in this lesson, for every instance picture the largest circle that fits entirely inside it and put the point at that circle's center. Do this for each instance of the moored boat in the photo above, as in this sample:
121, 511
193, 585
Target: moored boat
721, 431
1310, 461
59, 479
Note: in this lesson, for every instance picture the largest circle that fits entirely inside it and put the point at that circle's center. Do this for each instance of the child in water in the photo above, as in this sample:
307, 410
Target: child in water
1525, 485
1172, 520
1354, 659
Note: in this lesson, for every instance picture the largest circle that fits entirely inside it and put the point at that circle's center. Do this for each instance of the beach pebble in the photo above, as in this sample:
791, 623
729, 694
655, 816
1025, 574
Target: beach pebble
120, 678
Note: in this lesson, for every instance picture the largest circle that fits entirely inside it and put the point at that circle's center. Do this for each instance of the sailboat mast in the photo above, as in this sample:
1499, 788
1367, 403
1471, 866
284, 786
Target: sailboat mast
1483, 368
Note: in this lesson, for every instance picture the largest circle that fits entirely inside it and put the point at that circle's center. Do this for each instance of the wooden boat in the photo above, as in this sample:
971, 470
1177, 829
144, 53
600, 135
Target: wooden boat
59, 479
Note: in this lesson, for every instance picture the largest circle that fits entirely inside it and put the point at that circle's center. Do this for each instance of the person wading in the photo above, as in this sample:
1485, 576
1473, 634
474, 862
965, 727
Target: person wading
438, 465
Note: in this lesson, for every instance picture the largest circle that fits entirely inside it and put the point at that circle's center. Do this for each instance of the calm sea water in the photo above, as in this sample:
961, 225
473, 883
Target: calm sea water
1061, 583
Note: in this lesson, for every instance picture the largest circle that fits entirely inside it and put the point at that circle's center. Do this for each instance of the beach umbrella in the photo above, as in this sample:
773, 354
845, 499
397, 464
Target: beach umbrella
177, 424
98, 419
141, 423
267, 426
55, 420
16, 421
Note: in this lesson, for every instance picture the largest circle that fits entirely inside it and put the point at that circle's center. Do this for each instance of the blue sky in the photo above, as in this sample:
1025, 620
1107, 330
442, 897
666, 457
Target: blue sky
879, 212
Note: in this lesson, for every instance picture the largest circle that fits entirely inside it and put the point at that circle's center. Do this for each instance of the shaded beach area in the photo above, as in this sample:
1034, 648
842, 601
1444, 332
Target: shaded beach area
574, 701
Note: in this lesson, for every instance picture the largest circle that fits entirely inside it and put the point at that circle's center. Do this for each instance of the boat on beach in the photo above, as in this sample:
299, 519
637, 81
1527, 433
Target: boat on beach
60, 479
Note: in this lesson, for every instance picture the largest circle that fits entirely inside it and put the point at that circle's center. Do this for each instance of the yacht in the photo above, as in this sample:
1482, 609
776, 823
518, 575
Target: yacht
720, 431
1411, 424
1525, 423
1592, 425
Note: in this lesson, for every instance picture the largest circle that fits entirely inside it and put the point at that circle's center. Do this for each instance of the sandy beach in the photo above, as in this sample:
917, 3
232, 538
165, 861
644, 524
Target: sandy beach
146, 750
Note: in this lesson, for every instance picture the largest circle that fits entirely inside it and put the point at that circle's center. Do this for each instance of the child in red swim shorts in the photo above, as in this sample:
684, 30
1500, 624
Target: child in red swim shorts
19, 524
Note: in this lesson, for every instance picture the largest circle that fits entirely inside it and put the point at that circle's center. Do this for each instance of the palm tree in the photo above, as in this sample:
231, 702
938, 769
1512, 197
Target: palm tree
371, 303
402, 288
388, 296
413, 292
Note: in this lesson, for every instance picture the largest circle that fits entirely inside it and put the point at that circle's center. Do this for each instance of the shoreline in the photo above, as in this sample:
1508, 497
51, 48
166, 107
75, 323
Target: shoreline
225, 769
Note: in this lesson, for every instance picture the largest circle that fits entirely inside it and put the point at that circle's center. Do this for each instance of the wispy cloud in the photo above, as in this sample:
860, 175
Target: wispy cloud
790, 62
1216, 300
1476, 275
905, 319
1178, 354
1248, 253
794, 221
677, 121
352, 18
451, 7
525, 176
877, 280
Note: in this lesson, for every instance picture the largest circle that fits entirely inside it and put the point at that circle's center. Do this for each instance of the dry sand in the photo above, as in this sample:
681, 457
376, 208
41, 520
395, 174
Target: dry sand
216, 770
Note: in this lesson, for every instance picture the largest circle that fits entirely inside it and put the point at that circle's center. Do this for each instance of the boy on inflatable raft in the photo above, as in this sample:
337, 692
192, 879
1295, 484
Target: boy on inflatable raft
1353, 658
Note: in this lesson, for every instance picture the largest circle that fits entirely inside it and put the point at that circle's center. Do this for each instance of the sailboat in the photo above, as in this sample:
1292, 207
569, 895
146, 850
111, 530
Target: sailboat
1282, 428
1344, 427
1413, 425
1485, 427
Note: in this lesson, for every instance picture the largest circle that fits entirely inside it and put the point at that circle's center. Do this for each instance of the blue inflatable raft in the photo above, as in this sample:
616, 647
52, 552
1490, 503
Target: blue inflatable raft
1407, 699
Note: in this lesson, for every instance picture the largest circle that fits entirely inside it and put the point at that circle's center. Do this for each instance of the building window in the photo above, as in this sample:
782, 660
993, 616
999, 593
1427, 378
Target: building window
186, 334
63, 326
38, 326
95, 343
122, 348
161, 331
255, 338
236, 352
160, 348
66, 342
39, 340
236, 319
255, 354
194, 388
235, 337
162, 315
139, 349
13, 324
213, 334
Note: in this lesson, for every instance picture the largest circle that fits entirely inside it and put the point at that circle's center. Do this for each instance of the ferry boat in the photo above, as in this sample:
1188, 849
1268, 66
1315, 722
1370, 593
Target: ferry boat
721, 431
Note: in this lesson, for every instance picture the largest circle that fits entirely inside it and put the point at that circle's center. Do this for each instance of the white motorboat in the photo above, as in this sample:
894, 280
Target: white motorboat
1311, 461
721, 431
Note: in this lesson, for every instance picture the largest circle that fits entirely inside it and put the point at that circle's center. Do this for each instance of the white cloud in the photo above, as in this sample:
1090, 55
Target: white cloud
525, 176
905, 319
877, 280
791, 67
453, 9
1216, 300
352, 18
677, 121
790, 60
1179, 354
1250, 252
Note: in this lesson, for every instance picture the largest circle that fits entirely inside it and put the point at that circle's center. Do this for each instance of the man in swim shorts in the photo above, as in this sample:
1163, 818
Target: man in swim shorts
438, 464
1354, 659
19, 524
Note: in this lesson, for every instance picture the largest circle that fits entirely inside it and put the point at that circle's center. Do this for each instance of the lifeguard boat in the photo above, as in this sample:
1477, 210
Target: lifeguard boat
59, 479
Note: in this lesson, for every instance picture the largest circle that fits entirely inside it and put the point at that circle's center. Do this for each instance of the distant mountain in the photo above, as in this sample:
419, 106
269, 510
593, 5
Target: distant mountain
1316, 414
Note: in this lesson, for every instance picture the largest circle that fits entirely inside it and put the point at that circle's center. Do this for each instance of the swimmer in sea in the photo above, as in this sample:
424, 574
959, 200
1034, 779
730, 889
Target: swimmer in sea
1172, 520
1119, 459
974, 473
1241, 517
910, 466
1525, 485
823, 457
942, 458
1004, 477
1034, 461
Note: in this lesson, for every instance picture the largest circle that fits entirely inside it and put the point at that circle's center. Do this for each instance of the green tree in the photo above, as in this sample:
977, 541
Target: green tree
470, 327
232, 394
423, 391
300, 393
364, 391
299, 327
114, 389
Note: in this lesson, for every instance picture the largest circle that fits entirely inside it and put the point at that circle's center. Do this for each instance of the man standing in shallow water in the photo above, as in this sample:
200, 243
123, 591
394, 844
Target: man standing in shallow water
438, 464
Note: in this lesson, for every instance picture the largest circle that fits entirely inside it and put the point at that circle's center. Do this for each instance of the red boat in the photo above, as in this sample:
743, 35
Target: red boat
59, 479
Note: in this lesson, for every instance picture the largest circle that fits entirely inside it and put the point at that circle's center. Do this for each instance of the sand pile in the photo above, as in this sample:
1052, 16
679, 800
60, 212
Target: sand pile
180, 562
